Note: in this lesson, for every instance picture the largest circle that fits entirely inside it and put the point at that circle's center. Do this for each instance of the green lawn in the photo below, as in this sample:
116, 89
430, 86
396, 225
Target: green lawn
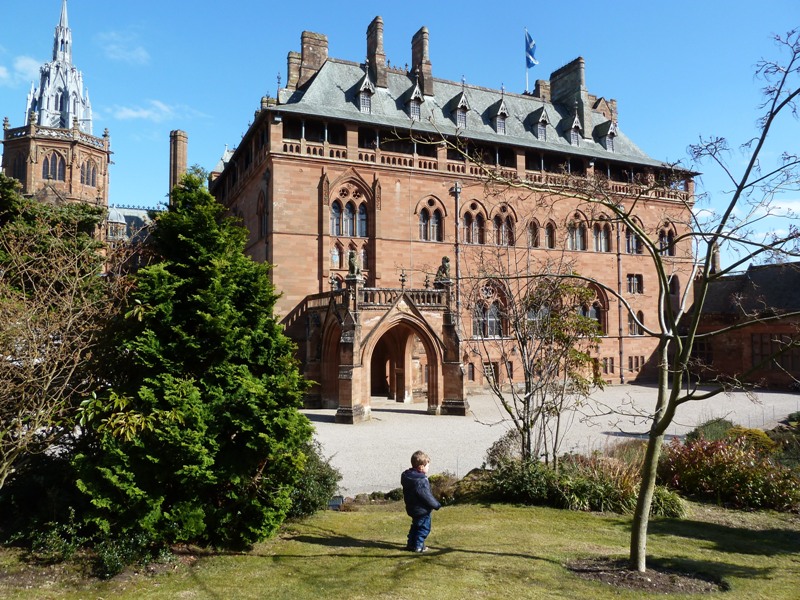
477, 551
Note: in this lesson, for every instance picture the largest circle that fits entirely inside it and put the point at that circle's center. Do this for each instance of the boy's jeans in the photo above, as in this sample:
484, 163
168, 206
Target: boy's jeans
420, 528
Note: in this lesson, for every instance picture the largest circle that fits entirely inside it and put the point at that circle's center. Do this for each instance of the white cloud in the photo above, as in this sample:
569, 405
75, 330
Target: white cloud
155, 111
27, 68
123, 47
24, 70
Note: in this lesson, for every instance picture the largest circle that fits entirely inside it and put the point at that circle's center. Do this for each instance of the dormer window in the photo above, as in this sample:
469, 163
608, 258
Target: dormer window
414, 109
541, 131
500, 116
575, 132
461, 108
365, 92
365, 102
461, 118
608, 139
415, 104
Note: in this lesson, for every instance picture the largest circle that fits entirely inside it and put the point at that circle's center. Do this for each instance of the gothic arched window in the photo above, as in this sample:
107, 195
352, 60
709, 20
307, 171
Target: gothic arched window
336, 218
362, 220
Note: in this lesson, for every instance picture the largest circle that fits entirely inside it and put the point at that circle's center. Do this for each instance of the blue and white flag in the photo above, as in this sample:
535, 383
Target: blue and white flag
530, 51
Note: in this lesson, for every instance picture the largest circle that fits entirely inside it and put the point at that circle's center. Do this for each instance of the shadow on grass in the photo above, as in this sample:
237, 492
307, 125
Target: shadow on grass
719, 572
337, 540
726, 538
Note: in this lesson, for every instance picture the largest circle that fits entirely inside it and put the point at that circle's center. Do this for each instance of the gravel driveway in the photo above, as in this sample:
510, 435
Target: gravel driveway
372, 455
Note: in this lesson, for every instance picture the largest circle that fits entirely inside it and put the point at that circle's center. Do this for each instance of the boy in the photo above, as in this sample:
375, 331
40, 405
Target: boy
419, 500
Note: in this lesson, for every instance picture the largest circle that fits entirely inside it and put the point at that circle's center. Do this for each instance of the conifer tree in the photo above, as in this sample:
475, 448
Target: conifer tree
200, 437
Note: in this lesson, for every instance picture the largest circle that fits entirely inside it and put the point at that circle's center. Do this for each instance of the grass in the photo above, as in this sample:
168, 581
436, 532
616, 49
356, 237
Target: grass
477, 551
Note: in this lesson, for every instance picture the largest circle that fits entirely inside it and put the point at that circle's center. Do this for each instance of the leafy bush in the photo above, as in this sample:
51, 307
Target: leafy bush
443, 487
794, 417
316, 485
593, 483
787, 440
729, 472
112, 555
756, 439
395, 494
56, 541
713, 430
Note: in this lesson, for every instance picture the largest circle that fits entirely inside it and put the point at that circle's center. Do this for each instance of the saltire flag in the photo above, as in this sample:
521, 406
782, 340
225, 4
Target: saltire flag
530, 51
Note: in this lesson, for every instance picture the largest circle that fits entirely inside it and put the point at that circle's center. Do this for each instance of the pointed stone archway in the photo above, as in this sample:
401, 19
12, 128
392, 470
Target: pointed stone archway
386, 342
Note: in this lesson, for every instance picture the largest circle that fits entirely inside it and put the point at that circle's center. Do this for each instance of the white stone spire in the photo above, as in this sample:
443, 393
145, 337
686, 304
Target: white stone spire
59, 99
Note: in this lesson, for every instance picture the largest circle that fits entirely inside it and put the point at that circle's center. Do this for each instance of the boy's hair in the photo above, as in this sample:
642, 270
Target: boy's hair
419, 458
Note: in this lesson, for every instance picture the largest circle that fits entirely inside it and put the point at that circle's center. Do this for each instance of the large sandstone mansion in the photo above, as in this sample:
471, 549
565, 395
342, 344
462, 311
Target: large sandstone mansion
353, 185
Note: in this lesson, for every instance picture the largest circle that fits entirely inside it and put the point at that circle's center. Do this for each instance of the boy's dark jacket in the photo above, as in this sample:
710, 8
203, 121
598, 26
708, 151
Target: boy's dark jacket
417, 493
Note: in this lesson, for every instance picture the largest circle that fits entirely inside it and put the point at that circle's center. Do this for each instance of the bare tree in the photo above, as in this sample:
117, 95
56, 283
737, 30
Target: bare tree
758, 178
53, 307
542, 325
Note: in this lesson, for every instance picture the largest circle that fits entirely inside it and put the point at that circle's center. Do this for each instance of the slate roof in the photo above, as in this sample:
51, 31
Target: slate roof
762, 289
333, 94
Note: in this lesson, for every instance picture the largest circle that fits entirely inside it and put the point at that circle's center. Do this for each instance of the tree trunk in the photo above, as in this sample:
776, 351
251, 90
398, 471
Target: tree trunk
641, 517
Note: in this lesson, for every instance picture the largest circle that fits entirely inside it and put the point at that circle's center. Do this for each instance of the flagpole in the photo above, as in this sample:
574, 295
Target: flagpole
526, 63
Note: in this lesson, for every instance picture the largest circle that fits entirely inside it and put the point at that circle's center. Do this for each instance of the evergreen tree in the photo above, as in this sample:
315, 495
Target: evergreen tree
200, 437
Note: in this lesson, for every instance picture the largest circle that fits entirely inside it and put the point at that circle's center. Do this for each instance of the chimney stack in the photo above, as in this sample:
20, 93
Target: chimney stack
314, 53
375, 54
420, 60
178, 153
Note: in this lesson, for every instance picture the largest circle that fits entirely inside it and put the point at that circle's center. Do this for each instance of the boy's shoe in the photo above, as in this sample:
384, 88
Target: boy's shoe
421, 550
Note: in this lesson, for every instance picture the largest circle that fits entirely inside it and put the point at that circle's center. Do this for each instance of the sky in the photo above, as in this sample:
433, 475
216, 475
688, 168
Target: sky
678, 69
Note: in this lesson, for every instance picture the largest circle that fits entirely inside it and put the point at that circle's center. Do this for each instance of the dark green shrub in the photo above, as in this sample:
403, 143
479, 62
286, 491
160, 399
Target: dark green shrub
112, 555
526, 482
730, 473
787, 440
667, 503
316, 485
56, 541
395, 494
794, 418
756, 439
713, 430
593, 483
443, 487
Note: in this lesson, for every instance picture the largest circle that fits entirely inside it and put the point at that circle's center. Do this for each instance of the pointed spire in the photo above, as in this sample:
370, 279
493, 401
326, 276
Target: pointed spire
63, 22
62, 44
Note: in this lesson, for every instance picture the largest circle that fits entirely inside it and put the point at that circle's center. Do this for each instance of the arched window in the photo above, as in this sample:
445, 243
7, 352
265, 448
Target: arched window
666, 242
424, 224
533, 235
635, 323
436, 226
364, 257
336, 218
54, 167
594, 311
602, 237
19, 167
487, 321
336, 257
362, 220
262, 216
576, 239
480, 229
633, 245
349, 220
468, 229
550, 236
499, 231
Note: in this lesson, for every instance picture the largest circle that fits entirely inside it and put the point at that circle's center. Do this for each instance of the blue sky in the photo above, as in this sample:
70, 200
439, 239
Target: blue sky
677, 69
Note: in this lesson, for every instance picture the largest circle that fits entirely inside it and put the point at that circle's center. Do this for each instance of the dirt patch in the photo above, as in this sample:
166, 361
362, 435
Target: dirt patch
615, 572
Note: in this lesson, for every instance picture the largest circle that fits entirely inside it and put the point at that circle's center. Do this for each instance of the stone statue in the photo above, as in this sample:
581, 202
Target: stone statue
352, 263
443, 272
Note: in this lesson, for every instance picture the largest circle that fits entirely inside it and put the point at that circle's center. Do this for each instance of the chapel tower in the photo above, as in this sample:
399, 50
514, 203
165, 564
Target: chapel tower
54, 154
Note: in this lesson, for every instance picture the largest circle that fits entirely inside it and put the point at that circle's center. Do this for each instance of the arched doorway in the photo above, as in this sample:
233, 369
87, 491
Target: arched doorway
404, 365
